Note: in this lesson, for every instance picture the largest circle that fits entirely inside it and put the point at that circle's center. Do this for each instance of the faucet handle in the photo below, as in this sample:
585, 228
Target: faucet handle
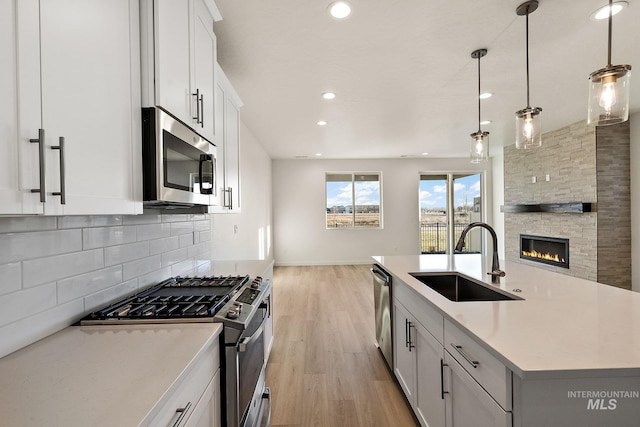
497, 273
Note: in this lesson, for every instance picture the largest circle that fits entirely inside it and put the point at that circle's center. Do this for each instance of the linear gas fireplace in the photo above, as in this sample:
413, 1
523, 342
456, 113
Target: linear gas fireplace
547, 250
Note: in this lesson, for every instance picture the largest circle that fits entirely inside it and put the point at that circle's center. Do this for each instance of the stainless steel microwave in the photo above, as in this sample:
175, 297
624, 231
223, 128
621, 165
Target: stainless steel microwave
179, 166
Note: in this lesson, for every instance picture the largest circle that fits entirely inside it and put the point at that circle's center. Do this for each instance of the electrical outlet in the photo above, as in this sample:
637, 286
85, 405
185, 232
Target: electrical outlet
534, 179
235, 229
547, 178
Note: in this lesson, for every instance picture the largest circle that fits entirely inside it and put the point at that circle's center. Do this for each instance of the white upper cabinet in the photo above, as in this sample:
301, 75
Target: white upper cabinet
228, 104
178, 57
71, 114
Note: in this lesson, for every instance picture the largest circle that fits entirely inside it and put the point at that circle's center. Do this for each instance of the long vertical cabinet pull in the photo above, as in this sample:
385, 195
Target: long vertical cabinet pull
224, 203
62, 193
201, 110
406, 333
411, 344
197, 95
40, 142
442, 392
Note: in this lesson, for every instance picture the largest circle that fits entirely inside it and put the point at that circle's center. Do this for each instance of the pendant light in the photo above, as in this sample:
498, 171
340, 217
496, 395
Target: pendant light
528, 131
609, 90
479, 139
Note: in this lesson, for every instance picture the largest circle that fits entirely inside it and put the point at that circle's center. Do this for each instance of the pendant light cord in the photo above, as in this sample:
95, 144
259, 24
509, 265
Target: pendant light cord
479, 129
610, 32
527, 42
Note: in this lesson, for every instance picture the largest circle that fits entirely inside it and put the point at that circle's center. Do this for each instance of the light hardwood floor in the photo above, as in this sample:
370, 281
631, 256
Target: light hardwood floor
325, 368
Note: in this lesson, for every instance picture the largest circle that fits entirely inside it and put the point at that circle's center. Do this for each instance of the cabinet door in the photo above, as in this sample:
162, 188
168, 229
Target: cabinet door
89, 56
404, 357
19, 74
204, 59
207, 411
232, 154
468, 404
172, 56
430, 403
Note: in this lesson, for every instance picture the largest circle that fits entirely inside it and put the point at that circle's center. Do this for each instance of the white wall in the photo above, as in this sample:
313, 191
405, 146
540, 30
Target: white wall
247, 235
635, 201
300, 236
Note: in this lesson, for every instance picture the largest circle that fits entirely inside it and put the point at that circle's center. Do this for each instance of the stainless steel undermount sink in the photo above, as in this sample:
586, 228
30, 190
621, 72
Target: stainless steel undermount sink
461, 289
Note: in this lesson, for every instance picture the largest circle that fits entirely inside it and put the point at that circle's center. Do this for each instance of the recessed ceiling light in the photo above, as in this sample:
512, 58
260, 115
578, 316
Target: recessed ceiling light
339, 9
485, 122
329, 95
321, 123
318, 154
486, 95
603, 12
424, 154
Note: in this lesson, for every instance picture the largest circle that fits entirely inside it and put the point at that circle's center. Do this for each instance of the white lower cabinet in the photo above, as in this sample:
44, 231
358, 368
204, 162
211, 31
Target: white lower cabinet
194, 398
448, 378
468, 404
418, 367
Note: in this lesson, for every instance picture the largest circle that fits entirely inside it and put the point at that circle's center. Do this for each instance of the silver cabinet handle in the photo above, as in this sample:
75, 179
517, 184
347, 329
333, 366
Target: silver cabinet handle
40, 142
197, 95
62, 193
266, 394
183, 413
224, 202
464, 354
202, 110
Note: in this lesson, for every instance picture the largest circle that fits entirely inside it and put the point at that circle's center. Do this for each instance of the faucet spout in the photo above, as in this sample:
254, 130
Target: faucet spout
495, 273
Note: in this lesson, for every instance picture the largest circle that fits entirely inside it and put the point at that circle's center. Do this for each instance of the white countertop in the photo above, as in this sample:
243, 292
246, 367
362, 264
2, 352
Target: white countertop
97, 375
563, 324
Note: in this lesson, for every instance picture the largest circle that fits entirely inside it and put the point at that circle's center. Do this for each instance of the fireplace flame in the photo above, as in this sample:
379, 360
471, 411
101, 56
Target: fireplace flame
540, 255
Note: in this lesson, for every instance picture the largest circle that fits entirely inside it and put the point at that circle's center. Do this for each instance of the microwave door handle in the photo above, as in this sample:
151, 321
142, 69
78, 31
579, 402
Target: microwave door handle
204, 158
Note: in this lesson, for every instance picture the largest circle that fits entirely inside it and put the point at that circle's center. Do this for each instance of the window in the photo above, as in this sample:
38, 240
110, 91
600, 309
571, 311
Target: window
449, 199
353, 200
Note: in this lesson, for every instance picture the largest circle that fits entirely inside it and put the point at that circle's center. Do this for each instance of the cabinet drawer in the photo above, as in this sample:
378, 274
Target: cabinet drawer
187, 389
419, 308
488, 371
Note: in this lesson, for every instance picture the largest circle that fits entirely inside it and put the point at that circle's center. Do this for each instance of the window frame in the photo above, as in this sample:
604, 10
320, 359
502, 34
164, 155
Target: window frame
353, 174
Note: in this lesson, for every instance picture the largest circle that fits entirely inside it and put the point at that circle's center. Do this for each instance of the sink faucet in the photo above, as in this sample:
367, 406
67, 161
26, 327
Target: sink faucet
495, 273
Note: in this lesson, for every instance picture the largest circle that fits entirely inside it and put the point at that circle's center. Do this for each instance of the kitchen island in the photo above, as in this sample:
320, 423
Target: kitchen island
567, 353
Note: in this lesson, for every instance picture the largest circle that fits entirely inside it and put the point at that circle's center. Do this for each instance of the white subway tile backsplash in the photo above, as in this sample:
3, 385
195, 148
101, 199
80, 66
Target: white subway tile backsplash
10, 278
154, 277
88, 283
172, 257
42, 270
25, 331
178, 228
141, 219
142, 266
153, 231
123, 253
183, 268
80, 221
14, 305
107, 236
166, 244
21, 246
108, 295
186, 240
176, 218
43, 261
27, 223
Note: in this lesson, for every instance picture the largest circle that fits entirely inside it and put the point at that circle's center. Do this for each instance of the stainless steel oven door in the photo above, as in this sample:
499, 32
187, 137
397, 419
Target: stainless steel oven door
245, 374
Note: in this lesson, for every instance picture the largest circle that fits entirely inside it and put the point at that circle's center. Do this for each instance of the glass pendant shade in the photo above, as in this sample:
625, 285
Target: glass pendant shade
479, 147
528, 128
609, 95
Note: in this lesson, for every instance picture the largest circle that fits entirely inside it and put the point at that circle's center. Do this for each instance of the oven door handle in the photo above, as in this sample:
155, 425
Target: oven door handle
244, 342
267, 395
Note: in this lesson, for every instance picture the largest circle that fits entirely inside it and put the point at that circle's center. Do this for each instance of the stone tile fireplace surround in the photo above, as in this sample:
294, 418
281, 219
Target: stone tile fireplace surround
583, 164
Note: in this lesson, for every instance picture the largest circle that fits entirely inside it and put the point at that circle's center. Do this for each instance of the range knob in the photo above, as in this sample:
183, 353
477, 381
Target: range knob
233, 313
256, 282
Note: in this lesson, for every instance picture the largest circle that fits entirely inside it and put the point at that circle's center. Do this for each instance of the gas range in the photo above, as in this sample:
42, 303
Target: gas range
175, 300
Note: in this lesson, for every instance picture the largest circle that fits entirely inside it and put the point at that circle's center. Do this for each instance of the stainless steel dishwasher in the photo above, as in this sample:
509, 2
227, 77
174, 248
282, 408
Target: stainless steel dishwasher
382, 303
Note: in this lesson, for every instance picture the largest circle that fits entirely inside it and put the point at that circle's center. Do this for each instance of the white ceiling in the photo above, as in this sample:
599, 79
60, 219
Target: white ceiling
403, 73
